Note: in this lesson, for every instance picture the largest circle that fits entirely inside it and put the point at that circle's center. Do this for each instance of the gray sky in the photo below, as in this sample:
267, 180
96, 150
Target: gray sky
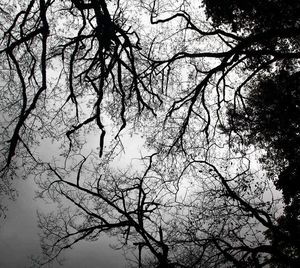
19, 238
19, 231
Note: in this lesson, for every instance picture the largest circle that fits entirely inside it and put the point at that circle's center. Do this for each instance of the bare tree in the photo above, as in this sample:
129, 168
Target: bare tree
192, 217
65, 66
77, 69
132, 207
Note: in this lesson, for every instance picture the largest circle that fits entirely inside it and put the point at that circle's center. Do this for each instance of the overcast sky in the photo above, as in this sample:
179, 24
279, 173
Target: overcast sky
19, 231
19, 238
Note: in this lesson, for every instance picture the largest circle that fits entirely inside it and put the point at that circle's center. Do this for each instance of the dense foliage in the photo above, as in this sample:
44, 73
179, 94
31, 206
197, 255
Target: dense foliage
257, 15
270, 120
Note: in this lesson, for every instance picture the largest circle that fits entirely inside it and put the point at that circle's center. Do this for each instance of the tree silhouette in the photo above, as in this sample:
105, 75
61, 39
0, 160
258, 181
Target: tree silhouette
268, 118
207, 96
255, 16
93, 56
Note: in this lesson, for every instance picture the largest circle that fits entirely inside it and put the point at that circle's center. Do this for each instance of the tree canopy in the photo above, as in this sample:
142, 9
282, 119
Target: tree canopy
257, 16
270, 120
211, 88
